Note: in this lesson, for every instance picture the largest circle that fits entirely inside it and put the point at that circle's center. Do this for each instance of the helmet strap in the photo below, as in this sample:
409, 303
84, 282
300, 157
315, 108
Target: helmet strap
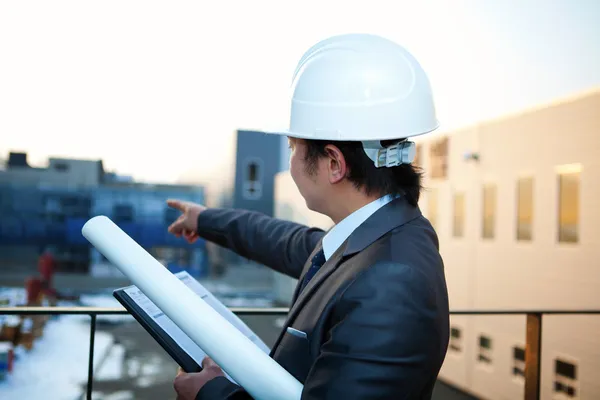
401, 152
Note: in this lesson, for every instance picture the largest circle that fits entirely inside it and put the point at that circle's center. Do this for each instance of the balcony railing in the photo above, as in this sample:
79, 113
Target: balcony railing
533, 342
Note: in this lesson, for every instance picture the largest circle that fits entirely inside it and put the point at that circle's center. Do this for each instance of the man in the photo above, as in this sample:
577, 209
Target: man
369, 318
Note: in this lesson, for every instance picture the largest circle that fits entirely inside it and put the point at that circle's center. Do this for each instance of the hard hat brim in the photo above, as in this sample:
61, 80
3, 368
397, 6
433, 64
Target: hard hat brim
340, 137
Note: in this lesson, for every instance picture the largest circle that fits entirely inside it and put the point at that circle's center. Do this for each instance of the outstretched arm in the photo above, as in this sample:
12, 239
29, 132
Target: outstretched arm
281, 245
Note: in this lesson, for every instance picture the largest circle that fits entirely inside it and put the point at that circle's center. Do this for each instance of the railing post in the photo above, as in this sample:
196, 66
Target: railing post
533, 356
91, 357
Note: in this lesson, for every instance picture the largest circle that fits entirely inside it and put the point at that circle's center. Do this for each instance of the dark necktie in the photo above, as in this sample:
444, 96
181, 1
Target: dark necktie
317, 261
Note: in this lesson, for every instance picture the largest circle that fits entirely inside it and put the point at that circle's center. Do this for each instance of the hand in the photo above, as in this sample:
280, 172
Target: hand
187, 223
187, 385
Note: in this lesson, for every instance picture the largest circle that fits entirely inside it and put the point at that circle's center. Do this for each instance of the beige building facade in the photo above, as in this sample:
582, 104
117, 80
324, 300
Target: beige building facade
518, 216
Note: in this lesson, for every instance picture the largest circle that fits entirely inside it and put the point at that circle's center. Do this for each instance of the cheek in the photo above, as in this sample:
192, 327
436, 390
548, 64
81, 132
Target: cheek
294, 167
299, 175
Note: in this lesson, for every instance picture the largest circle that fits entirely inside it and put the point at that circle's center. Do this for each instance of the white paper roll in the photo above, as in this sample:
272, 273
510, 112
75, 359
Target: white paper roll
261, 376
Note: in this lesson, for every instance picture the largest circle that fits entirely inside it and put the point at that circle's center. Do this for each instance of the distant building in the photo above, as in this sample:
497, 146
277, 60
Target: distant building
42, 207
33, 217
60, 172
141, 211
258, 160
247, 180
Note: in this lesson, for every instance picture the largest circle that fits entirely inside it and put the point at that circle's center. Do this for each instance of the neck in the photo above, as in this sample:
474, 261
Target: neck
347, 203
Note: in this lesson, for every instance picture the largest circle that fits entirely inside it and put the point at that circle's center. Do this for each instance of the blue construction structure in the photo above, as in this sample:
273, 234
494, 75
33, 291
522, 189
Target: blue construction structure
33, 218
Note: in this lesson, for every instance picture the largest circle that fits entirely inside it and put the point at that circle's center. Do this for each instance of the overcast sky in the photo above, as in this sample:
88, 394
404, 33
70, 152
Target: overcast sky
156, 88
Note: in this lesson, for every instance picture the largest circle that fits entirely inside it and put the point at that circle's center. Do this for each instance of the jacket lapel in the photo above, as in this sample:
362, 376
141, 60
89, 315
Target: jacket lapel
326, 269
300, 298
394, 214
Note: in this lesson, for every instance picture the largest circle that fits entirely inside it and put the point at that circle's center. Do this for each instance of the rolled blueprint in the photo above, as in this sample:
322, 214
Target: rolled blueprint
261, 376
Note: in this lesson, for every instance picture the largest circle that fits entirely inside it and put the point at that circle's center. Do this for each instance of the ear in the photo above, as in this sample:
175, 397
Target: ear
336, 163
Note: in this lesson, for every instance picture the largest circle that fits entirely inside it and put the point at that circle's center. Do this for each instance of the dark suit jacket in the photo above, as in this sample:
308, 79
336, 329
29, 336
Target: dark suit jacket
375, 314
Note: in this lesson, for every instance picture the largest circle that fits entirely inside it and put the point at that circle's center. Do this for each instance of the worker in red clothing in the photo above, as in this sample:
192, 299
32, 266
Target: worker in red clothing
46, 268
46, 265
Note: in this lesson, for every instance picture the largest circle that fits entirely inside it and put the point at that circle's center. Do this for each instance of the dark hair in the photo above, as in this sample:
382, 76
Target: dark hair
403, 179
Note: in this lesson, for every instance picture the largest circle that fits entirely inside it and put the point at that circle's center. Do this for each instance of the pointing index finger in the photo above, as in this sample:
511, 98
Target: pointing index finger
177, 204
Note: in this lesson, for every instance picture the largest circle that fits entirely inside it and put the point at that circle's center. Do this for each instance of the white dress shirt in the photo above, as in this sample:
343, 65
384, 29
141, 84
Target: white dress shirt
340, 232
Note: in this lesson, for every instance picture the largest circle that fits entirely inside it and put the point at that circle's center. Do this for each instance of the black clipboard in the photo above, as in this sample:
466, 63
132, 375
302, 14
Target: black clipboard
187, 363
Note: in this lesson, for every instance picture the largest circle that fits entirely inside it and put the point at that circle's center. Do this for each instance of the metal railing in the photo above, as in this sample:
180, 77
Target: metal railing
533, 342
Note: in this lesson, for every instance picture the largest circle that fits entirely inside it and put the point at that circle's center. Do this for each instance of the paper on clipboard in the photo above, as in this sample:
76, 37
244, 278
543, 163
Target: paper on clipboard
183, 340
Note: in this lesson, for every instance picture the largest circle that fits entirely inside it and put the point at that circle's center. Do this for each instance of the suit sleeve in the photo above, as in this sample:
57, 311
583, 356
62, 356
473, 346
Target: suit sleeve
281, 245
221, 388
387, 339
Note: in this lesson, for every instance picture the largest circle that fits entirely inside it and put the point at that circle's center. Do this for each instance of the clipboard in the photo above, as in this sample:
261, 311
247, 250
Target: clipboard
161, 336
167, 334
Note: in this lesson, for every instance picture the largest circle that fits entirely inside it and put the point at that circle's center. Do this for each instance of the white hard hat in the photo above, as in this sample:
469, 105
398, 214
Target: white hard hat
362, 87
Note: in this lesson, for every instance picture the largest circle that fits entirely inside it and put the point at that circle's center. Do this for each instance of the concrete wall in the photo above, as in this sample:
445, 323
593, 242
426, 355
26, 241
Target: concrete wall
505, 273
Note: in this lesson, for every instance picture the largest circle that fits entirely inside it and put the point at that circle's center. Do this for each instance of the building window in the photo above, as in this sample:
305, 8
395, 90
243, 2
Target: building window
489, 211
252, 186
123, 213
455, 339
438, 158
565, 379
525, 209
61, 166
568, 203
432, 207
458, 227
518, 361
53, 205
485, 349
253, 172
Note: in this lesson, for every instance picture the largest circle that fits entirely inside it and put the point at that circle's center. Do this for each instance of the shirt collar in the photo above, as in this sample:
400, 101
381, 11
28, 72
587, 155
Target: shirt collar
341, 231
